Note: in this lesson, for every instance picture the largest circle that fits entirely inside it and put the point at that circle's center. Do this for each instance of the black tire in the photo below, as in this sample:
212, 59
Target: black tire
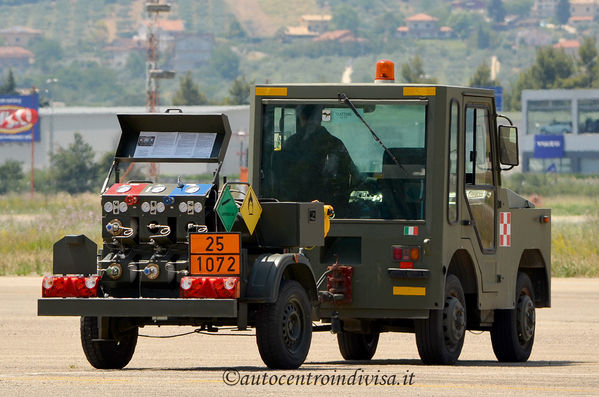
440, 337
513, 331
110, 354
284, 328
355, 346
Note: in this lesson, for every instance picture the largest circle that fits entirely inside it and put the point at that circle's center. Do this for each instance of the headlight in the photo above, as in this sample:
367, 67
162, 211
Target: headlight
160, 206
197, 207
145, 206
123, 206
108, 206
183, 207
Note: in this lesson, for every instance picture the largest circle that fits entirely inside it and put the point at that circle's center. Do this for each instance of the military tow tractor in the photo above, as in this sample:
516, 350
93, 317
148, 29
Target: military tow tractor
370, 207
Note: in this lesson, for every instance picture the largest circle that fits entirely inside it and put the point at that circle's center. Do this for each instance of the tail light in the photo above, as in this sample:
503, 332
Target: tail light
406, 256
70, 286
209, 287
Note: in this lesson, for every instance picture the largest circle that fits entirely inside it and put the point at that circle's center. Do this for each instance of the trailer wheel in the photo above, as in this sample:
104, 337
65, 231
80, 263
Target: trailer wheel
440, 337
112, 354
284, 328
355, 346
513, 331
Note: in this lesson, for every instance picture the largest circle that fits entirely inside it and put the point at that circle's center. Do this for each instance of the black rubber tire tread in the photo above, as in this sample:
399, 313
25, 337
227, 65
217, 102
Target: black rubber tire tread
107, 355
269, 333
429, 332
355, 346
504, 334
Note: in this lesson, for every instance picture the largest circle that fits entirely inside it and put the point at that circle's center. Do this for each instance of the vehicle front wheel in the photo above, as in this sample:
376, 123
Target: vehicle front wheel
513, 331
440, 337
114, 353
284, 328
355, 346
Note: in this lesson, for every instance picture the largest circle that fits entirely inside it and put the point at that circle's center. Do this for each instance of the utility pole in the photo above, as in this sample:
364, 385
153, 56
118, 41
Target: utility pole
153, 73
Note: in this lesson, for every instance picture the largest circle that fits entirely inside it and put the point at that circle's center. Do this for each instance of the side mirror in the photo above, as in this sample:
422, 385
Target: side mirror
508, 145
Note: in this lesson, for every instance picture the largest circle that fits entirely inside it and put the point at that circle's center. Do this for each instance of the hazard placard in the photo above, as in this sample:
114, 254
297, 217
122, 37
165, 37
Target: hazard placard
250, 210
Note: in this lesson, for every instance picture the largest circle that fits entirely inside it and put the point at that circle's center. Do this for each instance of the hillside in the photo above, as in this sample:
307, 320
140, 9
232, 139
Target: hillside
247, 38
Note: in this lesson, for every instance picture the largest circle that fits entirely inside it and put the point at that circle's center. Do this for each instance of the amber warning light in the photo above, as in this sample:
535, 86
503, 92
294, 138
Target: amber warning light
385, 71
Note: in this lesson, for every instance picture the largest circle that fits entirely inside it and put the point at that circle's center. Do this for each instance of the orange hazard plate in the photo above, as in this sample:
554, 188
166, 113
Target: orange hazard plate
215, 253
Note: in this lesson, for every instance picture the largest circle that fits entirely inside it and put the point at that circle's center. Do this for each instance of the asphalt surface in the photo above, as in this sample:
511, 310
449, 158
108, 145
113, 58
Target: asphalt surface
43, 356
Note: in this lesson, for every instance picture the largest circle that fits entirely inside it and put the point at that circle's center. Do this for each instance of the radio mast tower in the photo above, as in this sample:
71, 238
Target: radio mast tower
153, 73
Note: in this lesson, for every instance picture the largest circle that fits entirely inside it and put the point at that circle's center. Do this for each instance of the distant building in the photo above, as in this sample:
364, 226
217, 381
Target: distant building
18, 36
583, 10
424, 26
533, 37
117, 53
544, 8
342, 36
316, 23
166, 29
569, 46
310, 26
560, 131
15, 57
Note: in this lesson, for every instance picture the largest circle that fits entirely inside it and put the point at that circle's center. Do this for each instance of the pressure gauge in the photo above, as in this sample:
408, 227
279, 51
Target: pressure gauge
183, 207
108, 206
145, 206
123, 189
190, 189
160, 207
123, 206
197, 207
158, 188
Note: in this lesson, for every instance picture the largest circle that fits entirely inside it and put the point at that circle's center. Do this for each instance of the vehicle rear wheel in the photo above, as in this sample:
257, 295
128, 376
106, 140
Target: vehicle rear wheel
355, 346
513, 331
440, 337
109, 354
284, 328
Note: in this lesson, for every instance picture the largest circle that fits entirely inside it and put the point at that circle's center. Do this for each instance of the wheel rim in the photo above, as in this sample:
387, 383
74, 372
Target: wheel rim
292, 324
525, 319
453, 322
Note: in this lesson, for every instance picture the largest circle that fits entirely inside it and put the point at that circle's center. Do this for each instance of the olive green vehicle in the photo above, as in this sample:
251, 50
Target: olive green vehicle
421, 236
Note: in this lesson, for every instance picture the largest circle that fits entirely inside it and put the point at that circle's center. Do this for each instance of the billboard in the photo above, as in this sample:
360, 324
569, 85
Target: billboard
549, 146
19, 118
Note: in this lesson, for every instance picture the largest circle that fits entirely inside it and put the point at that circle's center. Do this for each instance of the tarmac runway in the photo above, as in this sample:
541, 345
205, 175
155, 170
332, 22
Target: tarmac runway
43, 356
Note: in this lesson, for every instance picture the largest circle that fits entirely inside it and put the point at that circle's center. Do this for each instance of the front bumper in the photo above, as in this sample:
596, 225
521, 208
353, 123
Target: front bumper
138, 307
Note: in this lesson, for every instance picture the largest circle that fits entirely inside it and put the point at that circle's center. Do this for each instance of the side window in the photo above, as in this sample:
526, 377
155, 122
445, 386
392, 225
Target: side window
452, 183
480, 192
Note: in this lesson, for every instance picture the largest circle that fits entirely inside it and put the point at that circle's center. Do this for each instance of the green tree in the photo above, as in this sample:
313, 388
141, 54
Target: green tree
587, 60
482, 77
73, 169
553, 68
496, 11
483, 37
47, 52
10, 85
518, 7
413, 72
239, 93
189, 93
562, 11
225, 62
235, 30
345, 17
11, 176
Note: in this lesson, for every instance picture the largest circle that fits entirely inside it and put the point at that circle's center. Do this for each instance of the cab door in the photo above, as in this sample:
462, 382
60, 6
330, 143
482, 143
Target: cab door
480, 181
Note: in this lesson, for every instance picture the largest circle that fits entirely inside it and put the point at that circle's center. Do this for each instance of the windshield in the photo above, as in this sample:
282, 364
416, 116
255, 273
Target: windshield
324, 152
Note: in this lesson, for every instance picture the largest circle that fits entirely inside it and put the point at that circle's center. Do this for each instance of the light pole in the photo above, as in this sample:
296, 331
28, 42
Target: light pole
243, 169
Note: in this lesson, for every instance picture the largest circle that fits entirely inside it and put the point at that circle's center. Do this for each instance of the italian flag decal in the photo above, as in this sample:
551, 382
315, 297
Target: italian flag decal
505, 229
410, 231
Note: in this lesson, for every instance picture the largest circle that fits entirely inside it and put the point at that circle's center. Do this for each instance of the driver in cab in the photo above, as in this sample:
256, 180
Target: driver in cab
318, 162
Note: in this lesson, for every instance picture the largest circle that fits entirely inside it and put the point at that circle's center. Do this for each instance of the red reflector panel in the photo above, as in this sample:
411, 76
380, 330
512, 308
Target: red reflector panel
70, 286
406, 265
209, 287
